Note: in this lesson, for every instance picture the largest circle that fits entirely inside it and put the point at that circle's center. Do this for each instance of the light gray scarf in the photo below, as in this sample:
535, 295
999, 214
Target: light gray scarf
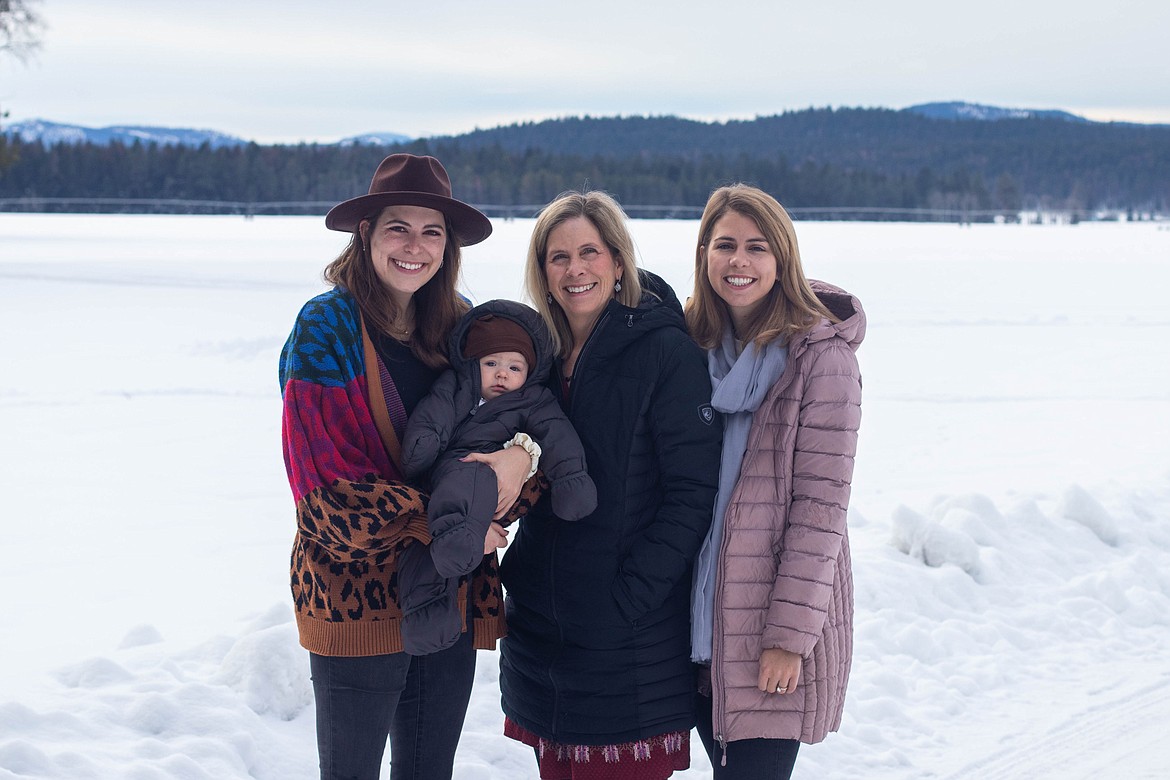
739, 384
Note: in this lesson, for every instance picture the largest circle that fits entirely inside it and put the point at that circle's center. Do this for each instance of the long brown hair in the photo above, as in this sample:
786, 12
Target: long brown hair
437, 307
604, 213
790, 307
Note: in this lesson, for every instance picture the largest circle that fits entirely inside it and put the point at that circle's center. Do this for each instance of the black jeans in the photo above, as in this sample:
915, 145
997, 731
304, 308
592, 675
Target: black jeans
419, 701
747, 759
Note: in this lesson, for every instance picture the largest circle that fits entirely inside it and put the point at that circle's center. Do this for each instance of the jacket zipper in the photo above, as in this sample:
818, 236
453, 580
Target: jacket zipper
552, 587
552, 563
718, 694
719, 706
573, 393
718, 698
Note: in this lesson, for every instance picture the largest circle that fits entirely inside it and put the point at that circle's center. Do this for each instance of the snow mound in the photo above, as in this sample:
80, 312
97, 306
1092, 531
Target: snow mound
1077, 505
93, 673
938, 541
140, 635
270, 671
217, 710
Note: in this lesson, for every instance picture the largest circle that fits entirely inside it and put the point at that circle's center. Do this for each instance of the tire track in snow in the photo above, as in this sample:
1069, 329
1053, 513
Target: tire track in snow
1119, 738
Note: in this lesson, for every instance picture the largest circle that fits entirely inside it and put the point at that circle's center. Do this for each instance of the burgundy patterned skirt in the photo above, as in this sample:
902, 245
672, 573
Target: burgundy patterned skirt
655, 758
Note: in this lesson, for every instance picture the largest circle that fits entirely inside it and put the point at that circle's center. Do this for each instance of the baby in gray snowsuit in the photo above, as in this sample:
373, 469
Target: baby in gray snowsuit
501, 355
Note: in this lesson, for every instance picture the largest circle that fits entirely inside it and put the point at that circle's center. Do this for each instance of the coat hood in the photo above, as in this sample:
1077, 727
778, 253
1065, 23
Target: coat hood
846, 308
659, 308
524, 316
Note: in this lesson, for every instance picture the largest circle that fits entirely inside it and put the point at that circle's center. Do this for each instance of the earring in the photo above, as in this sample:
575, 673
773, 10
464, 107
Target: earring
617, 286
548, 297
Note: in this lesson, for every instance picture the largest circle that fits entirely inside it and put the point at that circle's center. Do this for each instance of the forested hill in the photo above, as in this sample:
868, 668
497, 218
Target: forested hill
880, 140
1053, 158
817, 158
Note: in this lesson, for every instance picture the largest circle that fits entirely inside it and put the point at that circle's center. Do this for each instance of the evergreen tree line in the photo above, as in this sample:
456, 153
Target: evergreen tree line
856, 158
1050, 161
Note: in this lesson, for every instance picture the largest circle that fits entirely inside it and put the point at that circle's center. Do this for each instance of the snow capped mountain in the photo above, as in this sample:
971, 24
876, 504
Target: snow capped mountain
376, 139
51, 133
48, 132
974, 111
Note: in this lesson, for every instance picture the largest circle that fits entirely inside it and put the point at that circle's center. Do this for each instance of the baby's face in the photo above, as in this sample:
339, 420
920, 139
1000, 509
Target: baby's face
501, 372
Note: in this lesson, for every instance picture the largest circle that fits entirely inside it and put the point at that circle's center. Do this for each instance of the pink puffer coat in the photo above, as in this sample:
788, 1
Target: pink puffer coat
783, 570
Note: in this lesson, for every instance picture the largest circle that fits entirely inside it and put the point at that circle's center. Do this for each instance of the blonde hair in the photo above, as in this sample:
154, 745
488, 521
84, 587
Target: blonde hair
790, 307
437, 306
604, 213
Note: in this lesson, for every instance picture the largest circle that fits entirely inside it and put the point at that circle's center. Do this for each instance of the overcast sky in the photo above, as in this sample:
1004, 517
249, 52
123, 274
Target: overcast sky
291, 71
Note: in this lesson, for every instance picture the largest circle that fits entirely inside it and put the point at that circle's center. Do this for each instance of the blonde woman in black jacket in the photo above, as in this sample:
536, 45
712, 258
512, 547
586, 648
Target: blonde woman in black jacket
595, 670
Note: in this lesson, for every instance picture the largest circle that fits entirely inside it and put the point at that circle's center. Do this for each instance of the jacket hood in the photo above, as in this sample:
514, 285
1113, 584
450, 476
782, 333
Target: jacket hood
659, 308
846, 308
524, 316
657, 288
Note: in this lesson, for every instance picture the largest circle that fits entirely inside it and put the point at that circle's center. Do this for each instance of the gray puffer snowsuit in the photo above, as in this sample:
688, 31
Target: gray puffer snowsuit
450, 423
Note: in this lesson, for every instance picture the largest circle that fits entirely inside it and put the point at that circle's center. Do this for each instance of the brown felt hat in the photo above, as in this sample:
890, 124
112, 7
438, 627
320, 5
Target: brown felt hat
411, 180
489, 333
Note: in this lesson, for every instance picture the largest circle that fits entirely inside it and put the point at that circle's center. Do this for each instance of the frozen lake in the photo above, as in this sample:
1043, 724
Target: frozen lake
1010, 517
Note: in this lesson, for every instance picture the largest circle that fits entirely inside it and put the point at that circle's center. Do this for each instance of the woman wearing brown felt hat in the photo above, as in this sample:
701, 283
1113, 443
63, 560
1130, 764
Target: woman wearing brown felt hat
358, 360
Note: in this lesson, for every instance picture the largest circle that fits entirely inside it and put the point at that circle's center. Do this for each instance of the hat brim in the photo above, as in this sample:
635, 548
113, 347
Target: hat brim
470, 224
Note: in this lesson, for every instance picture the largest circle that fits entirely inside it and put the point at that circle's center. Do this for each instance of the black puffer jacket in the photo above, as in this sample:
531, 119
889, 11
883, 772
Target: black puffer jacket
598, 646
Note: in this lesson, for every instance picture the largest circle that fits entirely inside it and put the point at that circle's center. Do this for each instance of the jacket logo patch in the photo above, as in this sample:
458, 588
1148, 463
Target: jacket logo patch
707, 414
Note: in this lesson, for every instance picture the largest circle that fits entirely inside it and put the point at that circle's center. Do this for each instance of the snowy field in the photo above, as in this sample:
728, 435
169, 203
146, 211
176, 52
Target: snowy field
1010, 518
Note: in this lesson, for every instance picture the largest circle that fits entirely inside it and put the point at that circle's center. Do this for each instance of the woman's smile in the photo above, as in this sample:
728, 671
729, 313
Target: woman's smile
581, 271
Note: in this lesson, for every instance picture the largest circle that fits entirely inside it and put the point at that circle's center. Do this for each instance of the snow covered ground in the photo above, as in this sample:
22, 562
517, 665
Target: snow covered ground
1010, 520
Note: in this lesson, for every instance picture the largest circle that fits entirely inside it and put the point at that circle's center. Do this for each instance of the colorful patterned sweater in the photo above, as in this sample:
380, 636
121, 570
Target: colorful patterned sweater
354, 512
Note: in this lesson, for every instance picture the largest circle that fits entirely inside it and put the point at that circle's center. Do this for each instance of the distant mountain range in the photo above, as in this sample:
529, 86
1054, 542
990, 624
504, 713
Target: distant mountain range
376, 139
976, 112
50, 133
955, 157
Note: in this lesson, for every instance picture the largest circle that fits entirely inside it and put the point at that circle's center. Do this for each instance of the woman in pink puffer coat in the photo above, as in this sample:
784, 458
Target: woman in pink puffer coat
772, 612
